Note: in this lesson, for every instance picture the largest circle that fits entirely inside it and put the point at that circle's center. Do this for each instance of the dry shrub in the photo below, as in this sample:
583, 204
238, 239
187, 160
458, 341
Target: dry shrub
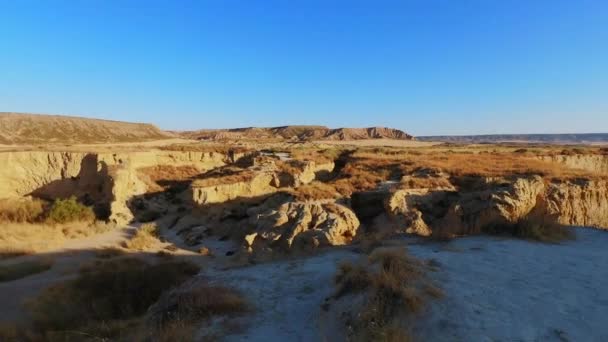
145, 237
177, 313
23, 269
201, 302
537, 228
21, 211
395, 286
106, 299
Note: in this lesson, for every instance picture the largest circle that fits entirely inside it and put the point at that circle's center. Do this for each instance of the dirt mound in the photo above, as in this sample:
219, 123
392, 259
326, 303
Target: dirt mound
299, 133
17, 128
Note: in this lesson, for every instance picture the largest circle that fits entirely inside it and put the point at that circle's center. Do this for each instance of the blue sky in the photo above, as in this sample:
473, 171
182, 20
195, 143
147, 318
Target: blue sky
427, 66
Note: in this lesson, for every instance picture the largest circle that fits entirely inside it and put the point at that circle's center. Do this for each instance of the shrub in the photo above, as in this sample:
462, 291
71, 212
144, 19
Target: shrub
533, 228
395, 285
145, 237
23, 269
69, 210
105, 297
543, 230
200, 302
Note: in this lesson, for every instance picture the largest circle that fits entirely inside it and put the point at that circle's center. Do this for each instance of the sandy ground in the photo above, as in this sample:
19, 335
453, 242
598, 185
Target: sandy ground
495, 290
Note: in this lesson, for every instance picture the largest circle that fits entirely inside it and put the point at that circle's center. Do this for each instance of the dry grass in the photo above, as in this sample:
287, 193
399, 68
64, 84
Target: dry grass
223, 176
23, 269
468, 163
395, 286
314, 191
145, 237
21, 210
105, 301
28, 238
200, 302
159, 177
536, 228
319, 156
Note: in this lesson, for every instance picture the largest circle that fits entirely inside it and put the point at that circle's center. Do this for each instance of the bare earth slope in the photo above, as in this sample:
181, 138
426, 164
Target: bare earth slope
299, 132
17, 128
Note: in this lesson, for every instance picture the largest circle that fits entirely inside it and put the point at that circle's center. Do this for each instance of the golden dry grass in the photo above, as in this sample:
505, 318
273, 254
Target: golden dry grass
224, 176
145, 237
467, 163
28, 238
395, 286
105, 301
20, 210
158, 177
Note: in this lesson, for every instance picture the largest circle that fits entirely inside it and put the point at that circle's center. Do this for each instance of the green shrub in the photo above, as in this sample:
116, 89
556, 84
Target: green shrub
69, 210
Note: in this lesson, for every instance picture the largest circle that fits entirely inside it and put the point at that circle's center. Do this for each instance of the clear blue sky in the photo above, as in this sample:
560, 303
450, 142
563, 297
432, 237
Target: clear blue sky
427, 66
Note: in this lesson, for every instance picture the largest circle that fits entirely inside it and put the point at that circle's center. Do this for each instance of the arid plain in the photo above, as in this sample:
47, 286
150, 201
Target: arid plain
120, 231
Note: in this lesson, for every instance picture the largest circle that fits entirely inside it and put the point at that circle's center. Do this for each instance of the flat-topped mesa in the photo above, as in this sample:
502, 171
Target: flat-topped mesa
299, 133
366, 133
18, 129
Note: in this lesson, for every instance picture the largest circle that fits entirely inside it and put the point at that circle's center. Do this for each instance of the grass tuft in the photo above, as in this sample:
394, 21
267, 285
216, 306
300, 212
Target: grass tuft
395, 286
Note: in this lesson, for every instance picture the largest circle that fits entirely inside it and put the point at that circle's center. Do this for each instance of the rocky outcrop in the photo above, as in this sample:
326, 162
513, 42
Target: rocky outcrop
106, 180
302, 225
254, 185
500, 202
578, 203
303, 172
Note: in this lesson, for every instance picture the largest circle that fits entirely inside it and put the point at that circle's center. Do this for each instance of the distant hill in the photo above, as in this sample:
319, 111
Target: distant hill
589, 138
298, 133
18, 128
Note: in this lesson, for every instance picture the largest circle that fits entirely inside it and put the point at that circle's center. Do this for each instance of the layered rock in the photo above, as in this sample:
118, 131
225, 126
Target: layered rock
500, 202
107, 180
302, 225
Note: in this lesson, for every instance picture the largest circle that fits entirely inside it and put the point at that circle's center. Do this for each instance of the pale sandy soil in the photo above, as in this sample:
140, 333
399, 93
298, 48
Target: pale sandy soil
495, 290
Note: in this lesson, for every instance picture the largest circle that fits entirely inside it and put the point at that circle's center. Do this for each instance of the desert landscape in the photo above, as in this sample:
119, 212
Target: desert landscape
120, 231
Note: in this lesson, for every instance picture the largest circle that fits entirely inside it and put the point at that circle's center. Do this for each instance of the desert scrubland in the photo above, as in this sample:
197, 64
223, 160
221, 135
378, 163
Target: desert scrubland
297, 232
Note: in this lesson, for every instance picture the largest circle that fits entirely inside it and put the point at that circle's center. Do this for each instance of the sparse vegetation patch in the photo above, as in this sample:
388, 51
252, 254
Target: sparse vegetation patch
394, 286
